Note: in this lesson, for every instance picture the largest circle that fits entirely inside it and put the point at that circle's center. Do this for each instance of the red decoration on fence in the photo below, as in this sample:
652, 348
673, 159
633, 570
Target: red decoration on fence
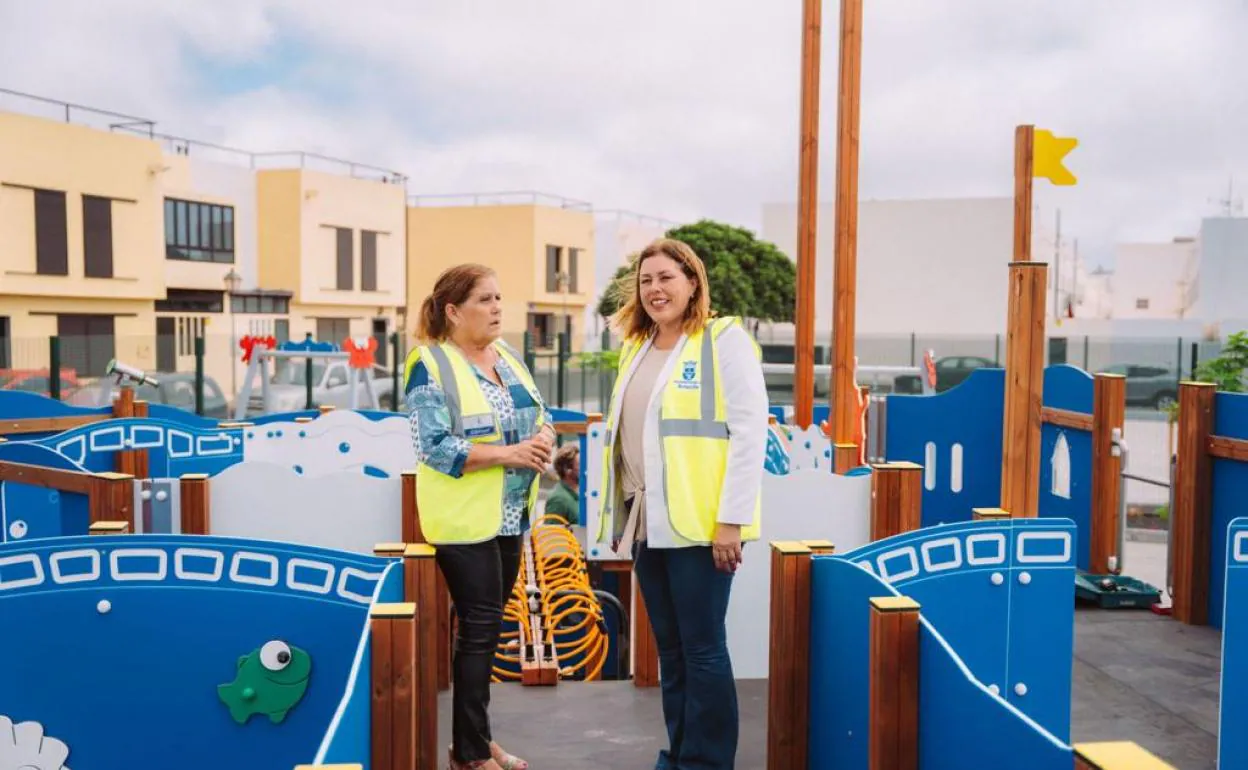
248, 343
361, 354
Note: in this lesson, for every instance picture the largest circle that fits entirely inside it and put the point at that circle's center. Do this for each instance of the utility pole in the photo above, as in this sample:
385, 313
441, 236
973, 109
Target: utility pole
1057, 264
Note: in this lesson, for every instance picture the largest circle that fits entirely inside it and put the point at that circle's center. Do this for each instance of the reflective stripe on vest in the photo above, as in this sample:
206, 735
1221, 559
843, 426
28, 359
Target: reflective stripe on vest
693, 440
468, 509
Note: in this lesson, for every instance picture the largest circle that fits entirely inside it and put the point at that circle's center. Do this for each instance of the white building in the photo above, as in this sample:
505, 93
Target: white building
1221, 296
939, 266
618, 235
1155, 280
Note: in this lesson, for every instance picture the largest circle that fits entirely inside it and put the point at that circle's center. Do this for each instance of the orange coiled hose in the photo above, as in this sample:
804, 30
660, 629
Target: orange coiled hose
573, 614
514, 637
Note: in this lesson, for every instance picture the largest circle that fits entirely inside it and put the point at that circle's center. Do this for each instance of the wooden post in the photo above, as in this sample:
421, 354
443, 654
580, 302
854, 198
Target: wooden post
411, 512
1024, 171
993, 514
894, 676
395, 650
1109, 411
124, 461
109, 528
1024, 387
845, 264
1116, 755
1191, 523
807, 217
196, 504
645, 648
896, 499
142, 467
391, 550
111, 498
421, 587
844, 458
788, 675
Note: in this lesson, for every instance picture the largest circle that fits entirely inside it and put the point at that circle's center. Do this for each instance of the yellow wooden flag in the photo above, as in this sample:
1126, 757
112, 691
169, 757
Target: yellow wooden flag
1048, 152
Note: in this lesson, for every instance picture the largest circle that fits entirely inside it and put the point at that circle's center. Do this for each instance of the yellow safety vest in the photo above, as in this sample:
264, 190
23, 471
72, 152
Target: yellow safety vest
468, 509
693, 431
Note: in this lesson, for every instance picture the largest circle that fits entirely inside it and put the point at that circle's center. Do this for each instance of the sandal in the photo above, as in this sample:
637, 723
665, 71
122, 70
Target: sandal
507, 761
476, 764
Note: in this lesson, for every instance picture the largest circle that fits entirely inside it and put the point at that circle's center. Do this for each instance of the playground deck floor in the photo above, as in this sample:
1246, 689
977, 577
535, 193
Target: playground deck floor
1137, 676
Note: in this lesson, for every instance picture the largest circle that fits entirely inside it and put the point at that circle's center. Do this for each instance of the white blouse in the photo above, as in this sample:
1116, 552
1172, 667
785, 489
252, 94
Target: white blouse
745, 406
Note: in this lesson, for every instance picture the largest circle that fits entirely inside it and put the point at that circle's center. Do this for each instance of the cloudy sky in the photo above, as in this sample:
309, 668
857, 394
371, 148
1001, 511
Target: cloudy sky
680, 108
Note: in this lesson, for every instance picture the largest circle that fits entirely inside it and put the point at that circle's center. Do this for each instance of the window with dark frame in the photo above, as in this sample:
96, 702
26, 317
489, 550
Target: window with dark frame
191, 301
574, 258
97, 236
199, 232
346, 268
51, 236
6, 344
260, 304
368, 260
552, 268
88, 343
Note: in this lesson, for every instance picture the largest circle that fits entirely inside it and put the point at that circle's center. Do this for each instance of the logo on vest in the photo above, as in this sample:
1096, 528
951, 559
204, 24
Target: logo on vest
688, 371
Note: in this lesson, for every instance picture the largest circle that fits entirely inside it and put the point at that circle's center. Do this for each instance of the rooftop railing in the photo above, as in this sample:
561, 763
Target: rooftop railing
68, 112
506, 198
56, 109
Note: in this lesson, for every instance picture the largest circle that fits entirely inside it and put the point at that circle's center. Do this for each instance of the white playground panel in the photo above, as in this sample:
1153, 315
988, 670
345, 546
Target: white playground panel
338, 509
341, 440
808, 503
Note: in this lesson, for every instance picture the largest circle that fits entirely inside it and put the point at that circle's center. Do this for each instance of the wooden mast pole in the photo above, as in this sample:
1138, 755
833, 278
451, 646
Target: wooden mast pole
807, 215
844, 391
1024, 348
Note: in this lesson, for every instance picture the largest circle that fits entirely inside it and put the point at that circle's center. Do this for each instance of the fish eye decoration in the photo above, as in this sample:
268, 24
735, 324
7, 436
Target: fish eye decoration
270, 681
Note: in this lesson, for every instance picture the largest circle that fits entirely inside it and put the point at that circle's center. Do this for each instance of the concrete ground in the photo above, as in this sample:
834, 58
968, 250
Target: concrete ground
1136, 676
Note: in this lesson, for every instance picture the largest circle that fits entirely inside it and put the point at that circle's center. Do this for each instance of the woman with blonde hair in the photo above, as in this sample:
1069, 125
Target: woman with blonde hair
483, 436
682, 479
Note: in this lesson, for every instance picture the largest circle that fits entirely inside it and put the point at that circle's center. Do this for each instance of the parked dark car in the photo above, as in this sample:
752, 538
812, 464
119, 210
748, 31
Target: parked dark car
1149, 384
953, 370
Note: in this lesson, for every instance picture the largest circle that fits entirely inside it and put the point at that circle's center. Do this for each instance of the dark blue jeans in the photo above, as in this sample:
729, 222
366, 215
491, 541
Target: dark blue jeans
687, 601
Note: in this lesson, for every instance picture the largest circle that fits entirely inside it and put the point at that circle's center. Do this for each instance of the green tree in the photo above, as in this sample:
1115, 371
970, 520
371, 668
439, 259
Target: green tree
1226, 370
748, 277
613, 296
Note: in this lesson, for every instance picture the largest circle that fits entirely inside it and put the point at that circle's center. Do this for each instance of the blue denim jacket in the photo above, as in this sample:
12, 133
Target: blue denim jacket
444, 451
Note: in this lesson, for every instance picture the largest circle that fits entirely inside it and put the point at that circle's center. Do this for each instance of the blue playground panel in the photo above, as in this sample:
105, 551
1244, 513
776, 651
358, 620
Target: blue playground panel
963, 722
1071, 389
30, 512
1232, 738
1229, 491
119, 628
969, 417
1001, 594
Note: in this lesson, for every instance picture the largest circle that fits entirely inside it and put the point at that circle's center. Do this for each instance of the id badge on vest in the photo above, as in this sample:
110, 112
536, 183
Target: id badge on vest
478, 425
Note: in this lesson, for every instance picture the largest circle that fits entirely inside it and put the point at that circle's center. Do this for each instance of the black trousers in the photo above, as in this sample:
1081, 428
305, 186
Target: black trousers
480, 578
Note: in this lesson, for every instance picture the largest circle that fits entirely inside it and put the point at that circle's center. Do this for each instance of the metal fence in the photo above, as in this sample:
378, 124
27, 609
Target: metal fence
568, 375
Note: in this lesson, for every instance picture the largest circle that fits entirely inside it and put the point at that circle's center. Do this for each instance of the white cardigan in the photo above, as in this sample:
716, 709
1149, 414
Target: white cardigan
745, 406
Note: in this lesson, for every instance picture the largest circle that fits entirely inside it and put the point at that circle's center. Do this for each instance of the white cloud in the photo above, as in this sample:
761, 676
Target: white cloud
681, 108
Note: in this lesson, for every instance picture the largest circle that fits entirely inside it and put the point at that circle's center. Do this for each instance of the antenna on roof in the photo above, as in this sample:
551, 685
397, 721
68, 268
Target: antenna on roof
1230, 205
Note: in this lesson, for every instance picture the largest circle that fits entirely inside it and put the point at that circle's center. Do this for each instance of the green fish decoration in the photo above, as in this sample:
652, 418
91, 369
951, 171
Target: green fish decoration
271, 680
